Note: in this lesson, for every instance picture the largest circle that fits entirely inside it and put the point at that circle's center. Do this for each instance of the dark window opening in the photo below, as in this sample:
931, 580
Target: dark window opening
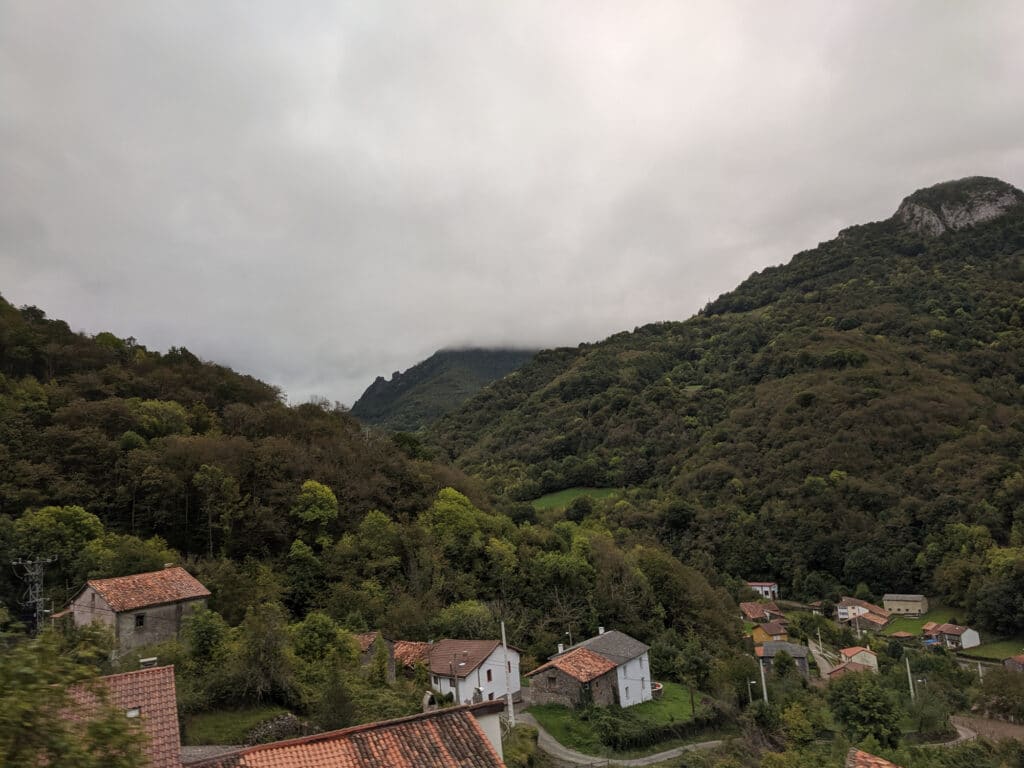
140, 620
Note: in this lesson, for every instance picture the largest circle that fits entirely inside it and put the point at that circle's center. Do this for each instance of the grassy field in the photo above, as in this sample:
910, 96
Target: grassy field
561, 499
940, 614
569, 730
228, 727
996, 651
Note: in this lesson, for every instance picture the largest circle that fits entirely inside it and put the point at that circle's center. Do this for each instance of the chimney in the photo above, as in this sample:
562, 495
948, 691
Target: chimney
600, 630
561, 647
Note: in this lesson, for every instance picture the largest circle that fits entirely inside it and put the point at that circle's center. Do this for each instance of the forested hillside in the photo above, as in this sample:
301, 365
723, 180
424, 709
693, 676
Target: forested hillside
440, 384
854, 416
105, 445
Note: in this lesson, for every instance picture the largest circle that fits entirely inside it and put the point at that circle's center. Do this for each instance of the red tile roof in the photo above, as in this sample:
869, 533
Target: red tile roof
951, 629
582, 664
753, 611
773, 628
855, 758
151, 691
366, 640
901, 635
446, 737
870, 607
459, 656
928, 626
170, 585
408, 652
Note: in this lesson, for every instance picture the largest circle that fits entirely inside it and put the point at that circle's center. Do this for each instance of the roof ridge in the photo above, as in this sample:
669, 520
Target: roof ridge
161, 667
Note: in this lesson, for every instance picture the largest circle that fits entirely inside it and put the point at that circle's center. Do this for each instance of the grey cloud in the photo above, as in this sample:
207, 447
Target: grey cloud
318, 193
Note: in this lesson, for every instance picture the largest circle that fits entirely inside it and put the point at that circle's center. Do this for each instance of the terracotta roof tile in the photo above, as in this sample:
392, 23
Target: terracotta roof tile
408, 652
446, 737
855, 758
126, 593
152, 692
901, 635
773, 628
854, 650
582, 664
366, 640
754, 611
951, 629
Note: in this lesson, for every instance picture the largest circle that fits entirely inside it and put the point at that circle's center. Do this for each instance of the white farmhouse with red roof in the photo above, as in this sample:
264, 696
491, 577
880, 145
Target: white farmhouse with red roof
141, 609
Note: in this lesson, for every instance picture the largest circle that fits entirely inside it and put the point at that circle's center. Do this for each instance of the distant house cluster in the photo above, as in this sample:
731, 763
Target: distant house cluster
609, 669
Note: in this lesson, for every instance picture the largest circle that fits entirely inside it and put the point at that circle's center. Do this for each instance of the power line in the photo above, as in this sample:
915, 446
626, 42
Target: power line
32, 574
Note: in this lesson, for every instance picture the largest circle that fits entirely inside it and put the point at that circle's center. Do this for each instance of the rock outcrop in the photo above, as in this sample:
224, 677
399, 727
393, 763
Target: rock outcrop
955, 205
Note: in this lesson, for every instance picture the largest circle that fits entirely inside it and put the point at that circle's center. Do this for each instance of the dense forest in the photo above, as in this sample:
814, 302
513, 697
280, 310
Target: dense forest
438, 385
852, 417
116, 458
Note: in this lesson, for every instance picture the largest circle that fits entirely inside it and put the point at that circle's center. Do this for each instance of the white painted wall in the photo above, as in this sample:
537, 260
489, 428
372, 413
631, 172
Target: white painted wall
969, 639
634, 681
492, 689
490, 724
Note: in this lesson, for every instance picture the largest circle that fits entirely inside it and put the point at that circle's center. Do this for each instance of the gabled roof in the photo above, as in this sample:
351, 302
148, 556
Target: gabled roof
445, 737
459, 656
770, 649
951, 629
929, 626
128, 593
871, 608
580, 663
617, 647
849, 666
903, 598
901, 635
409, 652
855, 758
151, 691
773, 628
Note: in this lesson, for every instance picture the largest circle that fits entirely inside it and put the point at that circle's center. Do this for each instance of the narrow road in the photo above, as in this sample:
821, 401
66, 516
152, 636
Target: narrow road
824, 665
548, 744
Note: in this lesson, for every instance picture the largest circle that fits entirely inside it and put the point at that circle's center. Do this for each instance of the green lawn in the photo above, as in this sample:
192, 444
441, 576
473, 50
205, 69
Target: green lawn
561, 499
940, 614
226, 727
996, 651
568, 729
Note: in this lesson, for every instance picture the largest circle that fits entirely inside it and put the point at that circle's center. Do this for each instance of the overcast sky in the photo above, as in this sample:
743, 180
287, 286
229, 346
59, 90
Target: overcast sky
318, 193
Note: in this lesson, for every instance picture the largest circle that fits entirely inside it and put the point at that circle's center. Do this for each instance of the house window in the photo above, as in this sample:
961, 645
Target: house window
133, 712
489, 676
490, 696
436, 681
509, 667
627, 691
140, 620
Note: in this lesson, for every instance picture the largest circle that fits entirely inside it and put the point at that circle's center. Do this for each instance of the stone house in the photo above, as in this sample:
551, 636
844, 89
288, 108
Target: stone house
631, 660
574, 679
141, 609
860, 655
1015, 663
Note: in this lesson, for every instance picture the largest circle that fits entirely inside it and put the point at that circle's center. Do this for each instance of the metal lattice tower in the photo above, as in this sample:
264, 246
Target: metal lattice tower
31, 572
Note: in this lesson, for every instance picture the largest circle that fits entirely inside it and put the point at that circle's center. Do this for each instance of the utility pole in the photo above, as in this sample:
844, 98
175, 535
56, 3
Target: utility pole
910, 680
31, 572
764, 685
508, 684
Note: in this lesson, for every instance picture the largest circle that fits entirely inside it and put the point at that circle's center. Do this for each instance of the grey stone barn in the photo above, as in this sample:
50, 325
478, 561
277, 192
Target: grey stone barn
575, 679
141, 609
767, 652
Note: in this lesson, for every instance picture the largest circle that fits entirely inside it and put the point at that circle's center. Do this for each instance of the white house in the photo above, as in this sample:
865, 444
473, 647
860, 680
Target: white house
474, 670
860, 655
957, 638
631, 659
769, 590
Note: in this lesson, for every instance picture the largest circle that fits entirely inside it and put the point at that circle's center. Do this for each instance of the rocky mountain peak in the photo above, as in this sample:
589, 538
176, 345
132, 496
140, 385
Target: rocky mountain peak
955, 205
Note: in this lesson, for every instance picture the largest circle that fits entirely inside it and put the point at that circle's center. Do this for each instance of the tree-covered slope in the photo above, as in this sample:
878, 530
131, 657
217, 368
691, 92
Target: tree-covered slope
826, 421
435, 386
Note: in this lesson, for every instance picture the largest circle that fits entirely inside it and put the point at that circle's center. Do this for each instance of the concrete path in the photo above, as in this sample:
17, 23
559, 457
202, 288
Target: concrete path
548, 744
824, 665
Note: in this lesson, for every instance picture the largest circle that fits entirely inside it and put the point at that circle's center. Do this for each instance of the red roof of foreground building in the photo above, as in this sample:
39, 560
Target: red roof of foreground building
170, 585
582, 664
856, 758
147, 694
445, 737
367, 639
